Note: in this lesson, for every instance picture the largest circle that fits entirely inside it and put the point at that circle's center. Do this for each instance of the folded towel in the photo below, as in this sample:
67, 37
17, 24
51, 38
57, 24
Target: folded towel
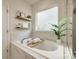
30, 41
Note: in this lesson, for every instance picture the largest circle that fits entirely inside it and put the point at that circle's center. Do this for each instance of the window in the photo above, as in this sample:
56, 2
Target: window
45, 18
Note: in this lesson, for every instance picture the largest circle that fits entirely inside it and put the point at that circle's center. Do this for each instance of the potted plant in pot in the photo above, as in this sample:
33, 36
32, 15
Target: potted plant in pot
59, 31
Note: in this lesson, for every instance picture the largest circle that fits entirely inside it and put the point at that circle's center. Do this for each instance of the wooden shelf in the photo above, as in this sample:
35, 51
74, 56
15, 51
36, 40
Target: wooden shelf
22, 28
21, 18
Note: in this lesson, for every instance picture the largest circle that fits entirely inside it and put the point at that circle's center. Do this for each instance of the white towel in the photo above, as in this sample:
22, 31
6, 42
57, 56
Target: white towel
37, 40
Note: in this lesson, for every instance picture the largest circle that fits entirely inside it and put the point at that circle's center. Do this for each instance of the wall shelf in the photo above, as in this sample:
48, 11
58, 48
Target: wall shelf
22, 18
21, 28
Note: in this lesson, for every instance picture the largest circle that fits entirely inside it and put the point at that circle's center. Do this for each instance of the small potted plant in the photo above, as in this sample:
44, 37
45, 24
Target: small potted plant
59, 29
59, 32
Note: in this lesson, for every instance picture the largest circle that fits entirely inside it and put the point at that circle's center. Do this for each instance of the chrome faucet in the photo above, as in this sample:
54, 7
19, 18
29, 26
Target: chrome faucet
23, 40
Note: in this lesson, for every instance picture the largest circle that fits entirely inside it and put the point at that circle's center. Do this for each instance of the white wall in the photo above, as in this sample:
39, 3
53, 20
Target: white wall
24, 7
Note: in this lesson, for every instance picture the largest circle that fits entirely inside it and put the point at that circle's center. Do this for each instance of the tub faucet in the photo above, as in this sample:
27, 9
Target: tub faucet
23, 40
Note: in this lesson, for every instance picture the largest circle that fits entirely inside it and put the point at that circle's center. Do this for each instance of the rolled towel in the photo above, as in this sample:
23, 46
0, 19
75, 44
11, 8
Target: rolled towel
37, 40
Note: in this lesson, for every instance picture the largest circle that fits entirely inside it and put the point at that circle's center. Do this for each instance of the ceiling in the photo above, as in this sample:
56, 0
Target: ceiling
32, 1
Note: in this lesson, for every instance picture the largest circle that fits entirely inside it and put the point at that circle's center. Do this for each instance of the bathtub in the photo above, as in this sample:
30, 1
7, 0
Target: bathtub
46, 50
46, 45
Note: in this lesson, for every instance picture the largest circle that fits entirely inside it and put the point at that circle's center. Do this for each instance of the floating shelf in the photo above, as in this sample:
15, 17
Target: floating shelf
22, 28
22, 18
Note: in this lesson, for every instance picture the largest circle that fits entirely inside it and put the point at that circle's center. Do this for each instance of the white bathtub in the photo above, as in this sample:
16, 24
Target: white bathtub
46, 50
46, 45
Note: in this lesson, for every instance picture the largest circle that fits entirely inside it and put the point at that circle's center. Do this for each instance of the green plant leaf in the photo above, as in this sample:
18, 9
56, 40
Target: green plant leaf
56, 32
62, 30
56, 26
60, 26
